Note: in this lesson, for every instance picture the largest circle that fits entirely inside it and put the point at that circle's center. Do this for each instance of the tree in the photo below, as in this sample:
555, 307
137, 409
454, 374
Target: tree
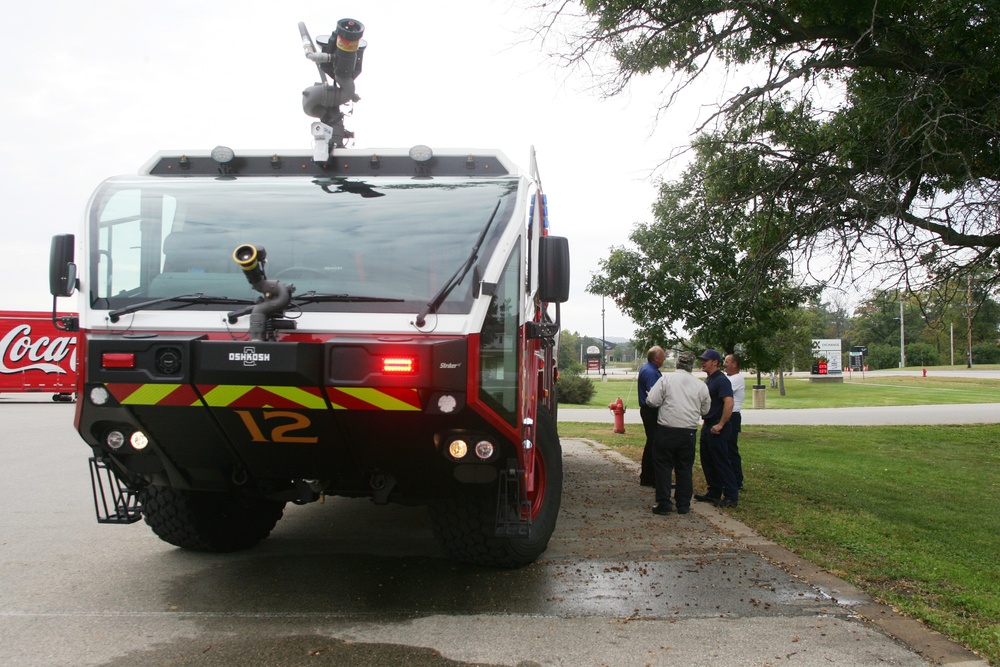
869, 135
569, 352
685, 278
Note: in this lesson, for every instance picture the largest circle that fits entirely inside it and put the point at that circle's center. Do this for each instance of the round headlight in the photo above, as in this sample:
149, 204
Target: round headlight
223, 154
139, 440
485, 449
421, 153
458, 449
114, 439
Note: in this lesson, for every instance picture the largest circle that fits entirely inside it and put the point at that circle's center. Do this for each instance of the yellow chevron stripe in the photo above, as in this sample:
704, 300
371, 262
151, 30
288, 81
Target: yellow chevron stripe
149, 394
225, 394
376, 398
303, 398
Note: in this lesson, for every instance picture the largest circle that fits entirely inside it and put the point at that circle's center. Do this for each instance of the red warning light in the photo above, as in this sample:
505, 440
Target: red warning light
399, 365
118, 360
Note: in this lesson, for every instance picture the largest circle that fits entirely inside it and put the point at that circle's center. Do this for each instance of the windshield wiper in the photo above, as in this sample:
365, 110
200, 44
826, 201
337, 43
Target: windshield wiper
459, 275
319, 297
316, 297
185, 299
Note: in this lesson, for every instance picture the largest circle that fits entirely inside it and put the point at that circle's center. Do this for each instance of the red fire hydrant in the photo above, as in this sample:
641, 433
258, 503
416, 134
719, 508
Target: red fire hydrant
618, 410
925, 372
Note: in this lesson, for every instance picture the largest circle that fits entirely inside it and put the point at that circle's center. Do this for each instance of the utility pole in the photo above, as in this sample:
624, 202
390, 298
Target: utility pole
968, 314
902, 338
952, 343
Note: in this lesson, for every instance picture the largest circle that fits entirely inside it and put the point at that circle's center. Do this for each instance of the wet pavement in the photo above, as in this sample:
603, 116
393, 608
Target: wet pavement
349, 583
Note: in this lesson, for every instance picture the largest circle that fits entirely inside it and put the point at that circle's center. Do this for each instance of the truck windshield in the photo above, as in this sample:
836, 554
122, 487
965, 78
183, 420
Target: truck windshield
382, 238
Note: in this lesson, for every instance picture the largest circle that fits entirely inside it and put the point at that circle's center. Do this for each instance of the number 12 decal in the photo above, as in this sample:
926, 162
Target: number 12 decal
280, 432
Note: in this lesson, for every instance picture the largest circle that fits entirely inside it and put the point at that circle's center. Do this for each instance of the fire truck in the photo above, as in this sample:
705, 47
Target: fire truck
259, 327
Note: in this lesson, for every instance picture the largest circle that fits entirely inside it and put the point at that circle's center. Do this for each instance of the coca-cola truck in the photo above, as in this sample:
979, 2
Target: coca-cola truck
259, 327
35, 355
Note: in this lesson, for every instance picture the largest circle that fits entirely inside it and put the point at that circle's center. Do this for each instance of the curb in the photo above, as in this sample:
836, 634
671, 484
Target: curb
927, 642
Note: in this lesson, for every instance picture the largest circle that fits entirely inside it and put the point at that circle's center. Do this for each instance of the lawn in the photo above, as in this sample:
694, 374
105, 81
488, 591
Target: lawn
909, 514
872, 390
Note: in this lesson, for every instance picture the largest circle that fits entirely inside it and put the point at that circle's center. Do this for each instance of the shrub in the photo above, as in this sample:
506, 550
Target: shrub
984, 353
882, 356
921, 354
574, 389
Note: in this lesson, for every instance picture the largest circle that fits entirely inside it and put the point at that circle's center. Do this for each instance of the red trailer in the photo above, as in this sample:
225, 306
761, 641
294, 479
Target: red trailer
35, 356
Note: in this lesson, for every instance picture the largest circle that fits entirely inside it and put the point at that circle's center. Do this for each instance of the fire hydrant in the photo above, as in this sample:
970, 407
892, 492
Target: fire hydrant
618, 409
925, 372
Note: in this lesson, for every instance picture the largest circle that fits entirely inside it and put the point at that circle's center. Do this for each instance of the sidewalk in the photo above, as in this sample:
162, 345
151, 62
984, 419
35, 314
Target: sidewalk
732, 596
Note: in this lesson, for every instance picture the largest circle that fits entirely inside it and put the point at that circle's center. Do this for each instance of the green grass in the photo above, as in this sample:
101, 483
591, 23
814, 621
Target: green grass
909, 514
872, 390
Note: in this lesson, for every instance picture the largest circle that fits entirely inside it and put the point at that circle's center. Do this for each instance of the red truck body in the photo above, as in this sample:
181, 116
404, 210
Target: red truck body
35, 356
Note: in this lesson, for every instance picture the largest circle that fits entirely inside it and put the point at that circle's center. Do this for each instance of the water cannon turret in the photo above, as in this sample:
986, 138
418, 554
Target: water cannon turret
266, 313
340, 57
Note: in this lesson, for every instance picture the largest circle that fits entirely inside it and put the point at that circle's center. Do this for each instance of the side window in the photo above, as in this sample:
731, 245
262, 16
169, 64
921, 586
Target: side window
130, 237
498, 344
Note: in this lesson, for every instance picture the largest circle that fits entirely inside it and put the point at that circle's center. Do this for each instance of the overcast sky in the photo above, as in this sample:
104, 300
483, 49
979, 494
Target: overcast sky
94, 89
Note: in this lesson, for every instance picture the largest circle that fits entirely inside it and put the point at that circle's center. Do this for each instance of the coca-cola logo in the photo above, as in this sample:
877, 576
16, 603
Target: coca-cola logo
19, 353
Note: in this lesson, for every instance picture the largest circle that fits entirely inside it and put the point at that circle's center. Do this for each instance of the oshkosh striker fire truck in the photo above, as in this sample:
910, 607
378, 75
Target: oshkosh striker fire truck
264, 327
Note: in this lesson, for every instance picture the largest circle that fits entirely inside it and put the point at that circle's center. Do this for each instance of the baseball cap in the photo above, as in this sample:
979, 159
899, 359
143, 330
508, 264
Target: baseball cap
710, 354
685, 360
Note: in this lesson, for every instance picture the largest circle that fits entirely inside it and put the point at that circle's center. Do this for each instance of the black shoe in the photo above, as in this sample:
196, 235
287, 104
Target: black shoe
683, 510
662, 509
705, 498
727, 503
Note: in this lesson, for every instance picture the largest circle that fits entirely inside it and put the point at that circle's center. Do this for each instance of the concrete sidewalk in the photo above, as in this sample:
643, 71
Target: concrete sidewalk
717, 564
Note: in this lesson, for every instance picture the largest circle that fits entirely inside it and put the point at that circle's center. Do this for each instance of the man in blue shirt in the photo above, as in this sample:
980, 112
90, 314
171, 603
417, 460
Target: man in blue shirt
716, 432
649, 375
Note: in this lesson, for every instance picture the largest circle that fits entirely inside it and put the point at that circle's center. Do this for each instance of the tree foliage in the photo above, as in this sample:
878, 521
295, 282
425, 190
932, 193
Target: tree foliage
868, 138
685, 278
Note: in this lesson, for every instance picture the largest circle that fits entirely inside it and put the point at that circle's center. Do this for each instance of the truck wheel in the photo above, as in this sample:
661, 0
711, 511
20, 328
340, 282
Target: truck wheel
466, 524
205, 521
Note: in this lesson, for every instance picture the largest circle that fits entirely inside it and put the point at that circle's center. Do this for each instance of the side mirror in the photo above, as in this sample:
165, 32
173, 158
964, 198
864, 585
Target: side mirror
553, 269
62, 269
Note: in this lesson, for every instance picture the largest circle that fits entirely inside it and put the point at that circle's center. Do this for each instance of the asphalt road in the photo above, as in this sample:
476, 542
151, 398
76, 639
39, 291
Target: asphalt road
348, 583
910, 415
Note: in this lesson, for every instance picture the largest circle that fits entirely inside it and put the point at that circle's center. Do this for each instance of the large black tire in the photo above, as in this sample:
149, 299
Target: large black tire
204, 521
466, 524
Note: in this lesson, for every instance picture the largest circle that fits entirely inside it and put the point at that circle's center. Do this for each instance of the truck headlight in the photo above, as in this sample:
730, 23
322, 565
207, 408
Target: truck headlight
139, 440
458, 448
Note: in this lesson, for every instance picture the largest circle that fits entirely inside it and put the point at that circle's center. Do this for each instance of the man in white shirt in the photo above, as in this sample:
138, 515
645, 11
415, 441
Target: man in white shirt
682, 399
731, 366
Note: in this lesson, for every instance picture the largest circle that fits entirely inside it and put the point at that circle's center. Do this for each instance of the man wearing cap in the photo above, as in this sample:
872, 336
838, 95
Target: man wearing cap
715, 434
682, 399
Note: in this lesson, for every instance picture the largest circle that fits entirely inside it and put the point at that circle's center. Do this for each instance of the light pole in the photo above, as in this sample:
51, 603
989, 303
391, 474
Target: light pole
604, 344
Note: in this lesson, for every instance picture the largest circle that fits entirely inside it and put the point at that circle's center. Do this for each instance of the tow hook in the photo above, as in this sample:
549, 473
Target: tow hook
382, 484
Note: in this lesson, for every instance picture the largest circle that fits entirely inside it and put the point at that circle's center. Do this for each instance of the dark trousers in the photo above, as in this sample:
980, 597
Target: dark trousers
734, 448
716, 462
648, 415
673, 453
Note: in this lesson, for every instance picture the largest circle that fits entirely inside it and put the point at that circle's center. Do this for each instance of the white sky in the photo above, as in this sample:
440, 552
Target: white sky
94, 89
